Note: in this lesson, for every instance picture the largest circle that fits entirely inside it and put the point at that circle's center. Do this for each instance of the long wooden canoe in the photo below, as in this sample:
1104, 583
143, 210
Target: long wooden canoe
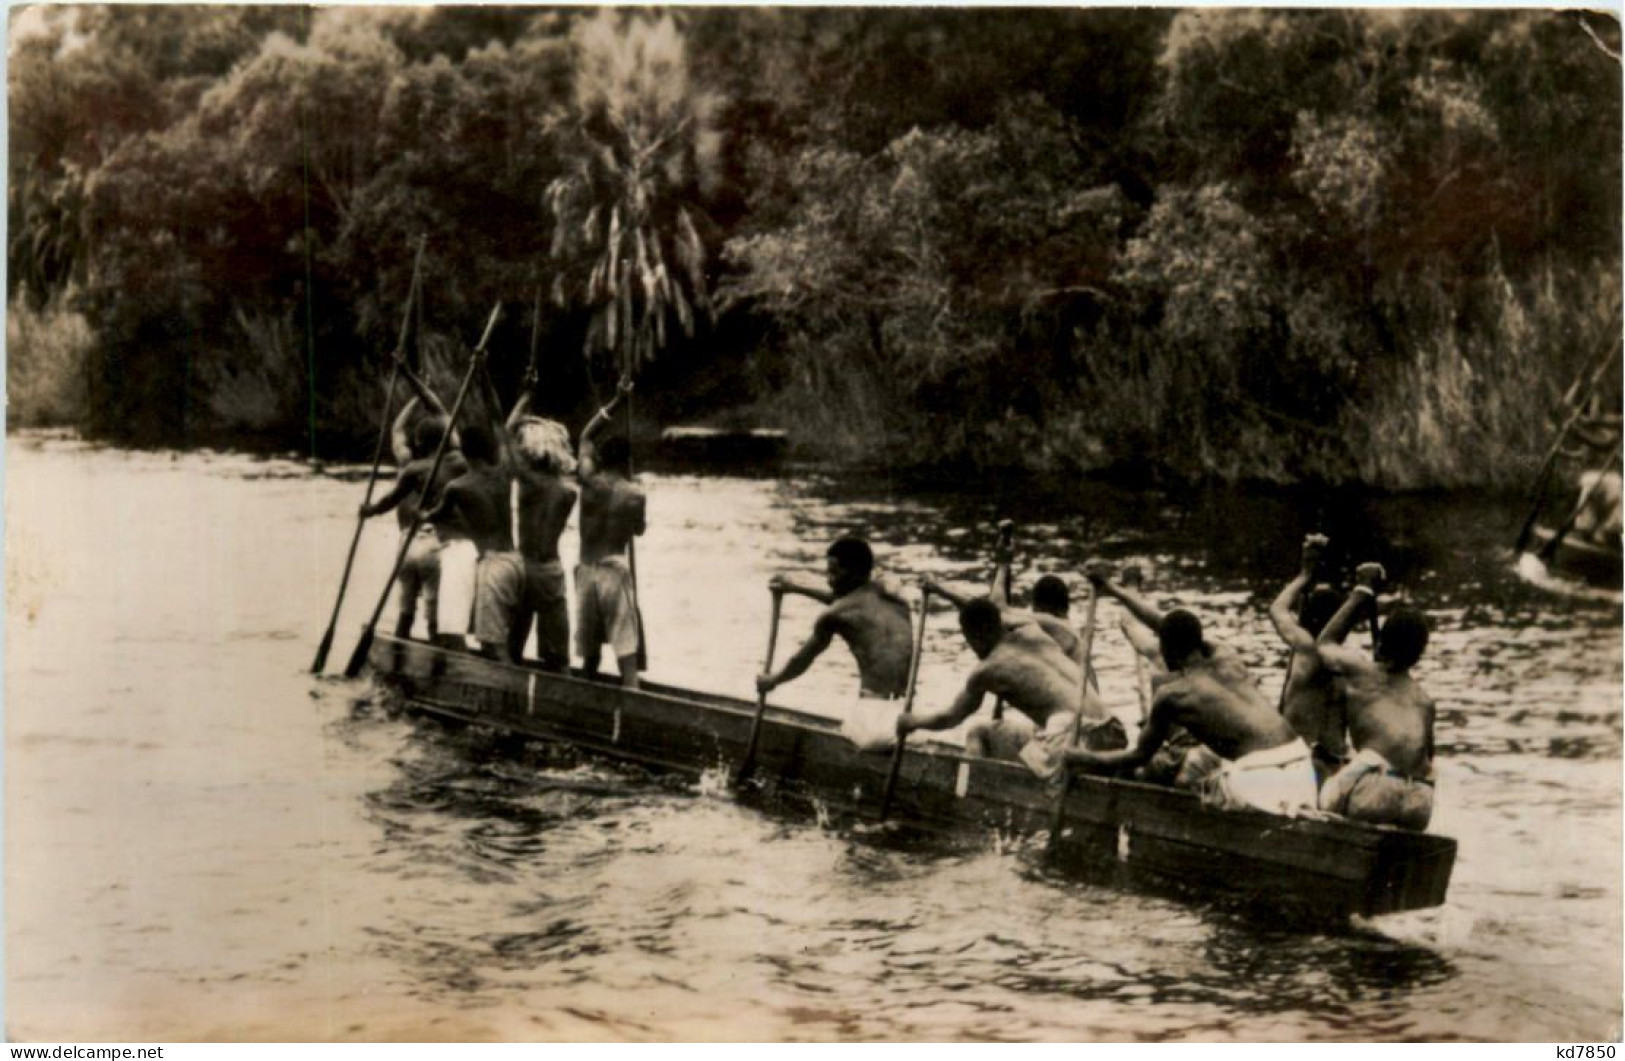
1306, 867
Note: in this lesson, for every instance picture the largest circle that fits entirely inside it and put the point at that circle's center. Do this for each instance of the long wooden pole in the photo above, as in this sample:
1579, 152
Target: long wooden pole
1003, 554
1077, 721
358, 658
1562, 436
326, 646
632, 557
908, 706
749, 761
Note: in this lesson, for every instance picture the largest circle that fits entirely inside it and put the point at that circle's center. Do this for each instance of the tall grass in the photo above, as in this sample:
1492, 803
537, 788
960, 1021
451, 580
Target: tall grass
47, 363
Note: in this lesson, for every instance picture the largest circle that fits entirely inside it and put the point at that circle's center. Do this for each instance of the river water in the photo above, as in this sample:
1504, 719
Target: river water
204, 842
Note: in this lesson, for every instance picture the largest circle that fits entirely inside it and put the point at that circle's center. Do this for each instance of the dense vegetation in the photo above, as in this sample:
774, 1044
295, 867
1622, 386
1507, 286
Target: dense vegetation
1350, 245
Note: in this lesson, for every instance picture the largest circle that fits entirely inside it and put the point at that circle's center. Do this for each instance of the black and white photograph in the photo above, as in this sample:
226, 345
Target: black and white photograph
817, 524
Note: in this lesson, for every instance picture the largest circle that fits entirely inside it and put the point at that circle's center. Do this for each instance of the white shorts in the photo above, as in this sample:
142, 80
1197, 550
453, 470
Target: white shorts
871, 722
458, 560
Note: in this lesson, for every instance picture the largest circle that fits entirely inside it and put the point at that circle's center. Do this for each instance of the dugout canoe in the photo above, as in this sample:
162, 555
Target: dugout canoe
1582, 559
1137, 832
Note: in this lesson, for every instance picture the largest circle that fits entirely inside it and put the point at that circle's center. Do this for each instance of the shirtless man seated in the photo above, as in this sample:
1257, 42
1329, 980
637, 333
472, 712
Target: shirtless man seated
871, 619
1258, 760
541, 449
1311, 696
1390, 717
476, 506
613, 512
1023, 665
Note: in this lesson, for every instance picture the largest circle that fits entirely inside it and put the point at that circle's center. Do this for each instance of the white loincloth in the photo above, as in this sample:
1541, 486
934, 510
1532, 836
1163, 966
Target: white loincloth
1045, 754
1277, 780
457, 564
871, 722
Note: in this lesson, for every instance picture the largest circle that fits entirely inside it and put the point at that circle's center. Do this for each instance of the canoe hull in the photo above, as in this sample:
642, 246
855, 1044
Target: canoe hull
1323, 869
1582, 559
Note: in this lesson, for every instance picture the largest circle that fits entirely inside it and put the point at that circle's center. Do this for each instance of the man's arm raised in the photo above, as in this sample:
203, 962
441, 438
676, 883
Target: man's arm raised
1336, 655
1282, 611
400, 434
587, 457
1099, 574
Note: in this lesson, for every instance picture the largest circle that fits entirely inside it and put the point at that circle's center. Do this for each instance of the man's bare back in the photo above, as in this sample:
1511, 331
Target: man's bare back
613, 512
1034, 675
875, 626
545, 504
1220, 704
476, 506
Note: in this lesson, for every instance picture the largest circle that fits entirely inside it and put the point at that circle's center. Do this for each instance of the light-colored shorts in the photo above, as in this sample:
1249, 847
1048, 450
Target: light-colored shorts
544, 597
606, 610
458, 559
1369, 790
871, 722
499, 581
1278, 780
420, 571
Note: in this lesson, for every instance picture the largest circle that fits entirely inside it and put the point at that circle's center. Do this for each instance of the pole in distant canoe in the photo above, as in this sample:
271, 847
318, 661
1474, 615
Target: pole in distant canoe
1077, 720
749, 761
1549, 550
1578, 410
326, 646
908, 705
358, 658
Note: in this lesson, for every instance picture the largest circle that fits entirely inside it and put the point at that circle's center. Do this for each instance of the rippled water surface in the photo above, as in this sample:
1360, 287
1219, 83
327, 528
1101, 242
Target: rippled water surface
202, 841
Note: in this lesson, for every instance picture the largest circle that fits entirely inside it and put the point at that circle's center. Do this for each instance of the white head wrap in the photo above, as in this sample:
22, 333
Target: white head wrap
545, 445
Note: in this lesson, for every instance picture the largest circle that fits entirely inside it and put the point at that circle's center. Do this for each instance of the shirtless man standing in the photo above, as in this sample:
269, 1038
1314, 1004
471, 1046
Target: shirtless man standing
872, 620
1259, 760
413, 445
475, 505
1024, 665
1390, 717
613, 512
542, 459
1311, 698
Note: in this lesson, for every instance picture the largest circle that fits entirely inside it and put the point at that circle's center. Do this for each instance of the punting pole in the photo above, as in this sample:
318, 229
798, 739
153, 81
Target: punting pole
1077, 720
908, 706
358, 658
326, 646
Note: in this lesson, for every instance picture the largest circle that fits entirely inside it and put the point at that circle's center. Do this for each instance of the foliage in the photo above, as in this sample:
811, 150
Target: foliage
625, 241
1281, 244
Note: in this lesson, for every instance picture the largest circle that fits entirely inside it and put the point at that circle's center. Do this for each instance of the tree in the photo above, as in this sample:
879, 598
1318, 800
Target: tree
625, 239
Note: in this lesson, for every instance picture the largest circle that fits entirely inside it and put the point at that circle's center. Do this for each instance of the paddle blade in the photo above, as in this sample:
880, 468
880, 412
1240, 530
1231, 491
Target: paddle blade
322, 650
358, 658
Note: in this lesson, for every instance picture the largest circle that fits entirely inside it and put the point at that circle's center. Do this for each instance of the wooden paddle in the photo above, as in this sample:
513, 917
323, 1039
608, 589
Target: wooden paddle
358, 658
1077, 721
908, 705
326, 646
1135, 580
1562, 436
1549, 550
749, 760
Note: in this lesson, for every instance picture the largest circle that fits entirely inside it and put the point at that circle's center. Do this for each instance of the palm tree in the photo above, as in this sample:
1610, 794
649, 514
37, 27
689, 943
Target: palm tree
625, 244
